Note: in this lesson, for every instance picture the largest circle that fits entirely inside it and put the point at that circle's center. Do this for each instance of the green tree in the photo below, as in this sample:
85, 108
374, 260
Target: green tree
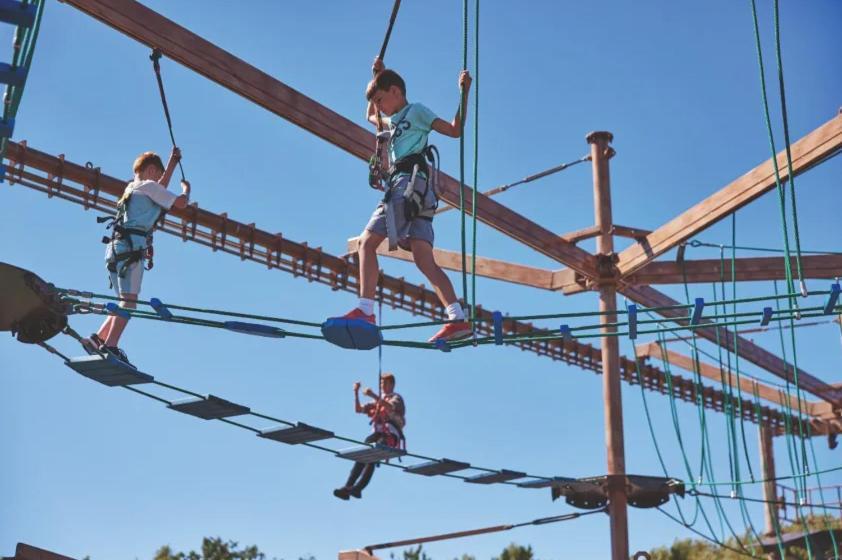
213, 549
516, 552
693, 549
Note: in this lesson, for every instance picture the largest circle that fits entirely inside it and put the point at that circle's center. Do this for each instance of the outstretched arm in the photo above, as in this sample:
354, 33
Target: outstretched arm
357, 406
454, 128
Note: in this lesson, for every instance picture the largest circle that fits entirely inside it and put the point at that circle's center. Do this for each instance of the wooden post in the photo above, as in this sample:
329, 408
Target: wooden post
767, 464
601, 152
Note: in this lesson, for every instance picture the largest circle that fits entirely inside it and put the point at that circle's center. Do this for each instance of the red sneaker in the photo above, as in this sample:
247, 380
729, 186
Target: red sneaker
453, 331
357, 313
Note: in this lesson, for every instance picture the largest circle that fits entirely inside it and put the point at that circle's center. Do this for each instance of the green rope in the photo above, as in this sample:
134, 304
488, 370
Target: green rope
790, 172
462, 152
778, 183
476, 172
821, 495
736, 337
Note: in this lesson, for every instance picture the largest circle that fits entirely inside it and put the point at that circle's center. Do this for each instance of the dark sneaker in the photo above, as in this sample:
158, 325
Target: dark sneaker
117, 353
356, 492
92, 345
343, 493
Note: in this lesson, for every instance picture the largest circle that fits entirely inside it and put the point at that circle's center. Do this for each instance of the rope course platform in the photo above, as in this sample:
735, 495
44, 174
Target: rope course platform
109, 371
92, 189
42, 309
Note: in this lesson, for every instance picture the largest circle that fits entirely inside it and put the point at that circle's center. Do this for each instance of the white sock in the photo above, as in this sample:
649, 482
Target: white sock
366, 306
455, 312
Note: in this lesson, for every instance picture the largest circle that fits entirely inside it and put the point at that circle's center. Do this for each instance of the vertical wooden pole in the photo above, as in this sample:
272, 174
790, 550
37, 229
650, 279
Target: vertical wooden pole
601, 152
767, 464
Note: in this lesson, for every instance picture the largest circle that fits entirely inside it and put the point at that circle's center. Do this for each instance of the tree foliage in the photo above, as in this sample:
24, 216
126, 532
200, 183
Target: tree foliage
695, 549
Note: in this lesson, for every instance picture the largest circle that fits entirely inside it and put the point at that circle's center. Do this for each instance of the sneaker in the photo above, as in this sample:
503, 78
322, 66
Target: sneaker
356, 492
357, 313
453, 331
92, 345
343, 493
117, 353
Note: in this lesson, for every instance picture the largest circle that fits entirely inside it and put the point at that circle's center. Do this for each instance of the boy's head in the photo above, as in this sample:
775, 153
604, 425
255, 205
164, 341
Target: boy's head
387, 383
148, 166
387, 91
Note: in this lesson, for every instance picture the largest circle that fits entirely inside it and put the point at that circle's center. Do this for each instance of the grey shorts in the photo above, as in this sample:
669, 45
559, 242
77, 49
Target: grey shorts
419, 228
127, 279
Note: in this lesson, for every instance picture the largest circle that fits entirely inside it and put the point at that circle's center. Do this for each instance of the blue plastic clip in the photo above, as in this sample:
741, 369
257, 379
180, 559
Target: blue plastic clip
255, 328
7, 127
832, 299
115, 309
698, 307
632, 311
767, 316
498, 327
160, 309
442, 345
564, 331
13, 76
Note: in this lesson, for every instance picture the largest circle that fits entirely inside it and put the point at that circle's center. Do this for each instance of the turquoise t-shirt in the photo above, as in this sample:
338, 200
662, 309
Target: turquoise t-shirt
410, 128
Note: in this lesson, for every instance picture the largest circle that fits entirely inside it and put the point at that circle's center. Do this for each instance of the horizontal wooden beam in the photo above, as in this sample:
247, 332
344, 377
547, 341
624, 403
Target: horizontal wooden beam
748, 386
746, 270
185, 47
813, 148
92, 189
649, 297
485, 267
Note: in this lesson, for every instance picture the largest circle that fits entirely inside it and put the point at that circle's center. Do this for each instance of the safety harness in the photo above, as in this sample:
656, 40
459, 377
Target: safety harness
382, 424
414, 207
119, 232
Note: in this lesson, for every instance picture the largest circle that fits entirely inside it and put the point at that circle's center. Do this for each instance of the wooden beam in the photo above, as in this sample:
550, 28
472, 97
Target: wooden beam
709, 371
185, 47
632, 233
89, 188
581, 234
747, 270
770, 491
487, 268
649, 297
808, 151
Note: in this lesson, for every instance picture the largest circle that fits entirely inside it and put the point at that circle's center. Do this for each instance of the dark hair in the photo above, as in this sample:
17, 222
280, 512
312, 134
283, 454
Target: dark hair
383, 81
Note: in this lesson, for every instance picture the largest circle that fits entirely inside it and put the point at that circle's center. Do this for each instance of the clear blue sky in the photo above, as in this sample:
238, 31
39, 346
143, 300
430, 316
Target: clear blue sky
98, 471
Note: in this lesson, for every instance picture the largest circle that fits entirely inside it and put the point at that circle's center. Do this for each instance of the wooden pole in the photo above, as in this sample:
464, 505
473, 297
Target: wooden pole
601, 152
770, 493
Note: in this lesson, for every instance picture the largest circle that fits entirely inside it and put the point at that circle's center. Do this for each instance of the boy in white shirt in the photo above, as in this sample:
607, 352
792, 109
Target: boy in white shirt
140, 207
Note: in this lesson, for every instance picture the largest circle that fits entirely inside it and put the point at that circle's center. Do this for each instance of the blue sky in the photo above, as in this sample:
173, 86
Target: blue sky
98, 471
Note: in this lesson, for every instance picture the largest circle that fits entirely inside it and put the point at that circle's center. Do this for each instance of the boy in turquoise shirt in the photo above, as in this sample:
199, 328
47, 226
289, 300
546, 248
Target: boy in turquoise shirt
405, 215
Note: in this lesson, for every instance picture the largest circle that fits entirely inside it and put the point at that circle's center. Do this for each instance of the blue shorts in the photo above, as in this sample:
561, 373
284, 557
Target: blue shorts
419, 228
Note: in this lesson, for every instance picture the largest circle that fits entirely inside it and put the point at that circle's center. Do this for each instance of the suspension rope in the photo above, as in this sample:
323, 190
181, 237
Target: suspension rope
528, 179
483, 531
462, 102
155, 57
392, 19
790, 173
476, 173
